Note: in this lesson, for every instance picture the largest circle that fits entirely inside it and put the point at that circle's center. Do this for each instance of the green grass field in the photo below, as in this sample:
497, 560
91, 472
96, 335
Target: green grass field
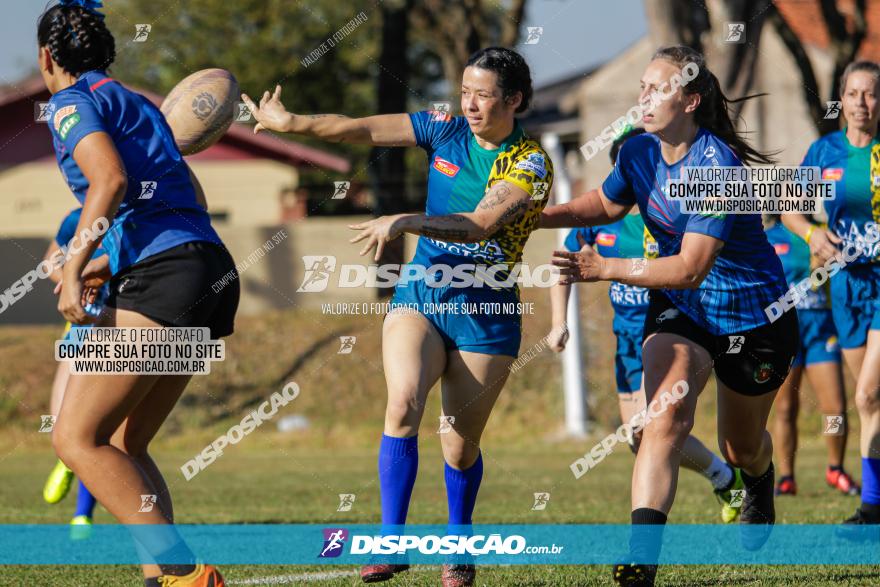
273, 477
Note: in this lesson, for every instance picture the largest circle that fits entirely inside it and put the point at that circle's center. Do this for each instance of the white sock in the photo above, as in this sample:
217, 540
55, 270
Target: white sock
719, 473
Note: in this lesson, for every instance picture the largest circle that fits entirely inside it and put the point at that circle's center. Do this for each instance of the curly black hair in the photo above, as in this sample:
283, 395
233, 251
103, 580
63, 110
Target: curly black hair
512, 71
77, 39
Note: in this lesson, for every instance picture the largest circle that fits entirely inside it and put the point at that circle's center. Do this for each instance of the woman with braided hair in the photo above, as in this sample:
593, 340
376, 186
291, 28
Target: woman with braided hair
162, 257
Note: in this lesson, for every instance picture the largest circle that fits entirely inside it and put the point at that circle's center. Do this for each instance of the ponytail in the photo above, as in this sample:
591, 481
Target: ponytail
713, 113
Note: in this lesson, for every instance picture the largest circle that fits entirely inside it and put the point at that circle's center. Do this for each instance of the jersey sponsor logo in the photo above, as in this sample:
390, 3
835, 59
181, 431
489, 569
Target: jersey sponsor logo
832, 173
534, 163
709, 152
445, 167
61, 114
606, 239
781, 248
665, 315
68, 124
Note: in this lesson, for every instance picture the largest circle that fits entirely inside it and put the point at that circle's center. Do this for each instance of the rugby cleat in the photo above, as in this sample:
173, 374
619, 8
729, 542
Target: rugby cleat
202, 576
458, 575
634, 575
858, 528
731, 498
786, 486
58, 483
80, 528
380, 572
840, 480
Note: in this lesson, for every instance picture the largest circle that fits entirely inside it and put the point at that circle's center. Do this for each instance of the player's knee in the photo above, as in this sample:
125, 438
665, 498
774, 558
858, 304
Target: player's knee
403, 410
786, 410
868, 400
675, 420
68, 445
460, 455
741, 455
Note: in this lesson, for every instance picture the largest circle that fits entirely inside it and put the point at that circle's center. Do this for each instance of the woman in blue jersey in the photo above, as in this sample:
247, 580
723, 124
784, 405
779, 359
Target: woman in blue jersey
58, 483
118, 156
819, 358
851, 159
487, 185
628, 238
714, 276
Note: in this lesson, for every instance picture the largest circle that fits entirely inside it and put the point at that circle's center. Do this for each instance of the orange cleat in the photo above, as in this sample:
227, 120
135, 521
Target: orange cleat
458, 575
202, 576
379, 573
840, 480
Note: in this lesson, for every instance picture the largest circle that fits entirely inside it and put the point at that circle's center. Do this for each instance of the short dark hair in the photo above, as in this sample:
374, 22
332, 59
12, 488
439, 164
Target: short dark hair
77, 38
622, 138
867, 66
512, 71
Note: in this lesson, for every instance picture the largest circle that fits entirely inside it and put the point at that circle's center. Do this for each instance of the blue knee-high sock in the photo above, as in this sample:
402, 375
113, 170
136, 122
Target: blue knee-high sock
461, 492
85, 502
871, 481
398, 465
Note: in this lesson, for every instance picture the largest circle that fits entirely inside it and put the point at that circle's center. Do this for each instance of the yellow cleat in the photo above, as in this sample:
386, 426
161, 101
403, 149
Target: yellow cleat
731, 498
58, 483
203, 576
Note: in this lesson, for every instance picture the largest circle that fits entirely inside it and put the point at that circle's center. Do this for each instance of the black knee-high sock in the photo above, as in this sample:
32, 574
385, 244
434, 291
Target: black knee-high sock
647, 535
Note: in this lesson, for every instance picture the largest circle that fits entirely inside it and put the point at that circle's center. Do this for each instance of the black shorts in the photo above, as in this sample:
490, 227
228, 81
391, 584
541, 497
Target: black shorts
191, 285
753, 362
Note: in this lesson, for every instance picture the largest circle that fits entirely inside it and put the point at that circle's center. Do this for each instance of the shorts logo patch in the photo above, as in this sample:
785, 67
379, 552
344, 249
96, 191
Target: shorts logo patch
68, 124
669, 314
61, 114
781, 248
445, 167
606, 239
123, 284
763, 372
831, 344
833, 173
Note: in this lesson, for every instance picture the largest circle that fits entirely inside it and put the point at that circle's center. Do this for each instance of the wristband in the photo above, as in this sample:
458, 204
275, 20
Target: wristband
809, 233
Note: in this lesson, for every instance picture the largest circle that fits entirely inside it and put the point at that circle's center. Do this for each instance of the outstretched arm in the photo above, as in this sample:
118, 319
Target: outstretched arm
384, 130
503, 204
590, 209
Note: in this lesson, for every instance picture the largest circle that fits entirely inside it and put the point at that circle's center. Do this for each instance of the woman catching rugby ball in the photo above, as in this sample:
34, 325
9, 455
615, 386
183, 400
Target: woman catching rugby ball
487, 184
714, 276
162, 258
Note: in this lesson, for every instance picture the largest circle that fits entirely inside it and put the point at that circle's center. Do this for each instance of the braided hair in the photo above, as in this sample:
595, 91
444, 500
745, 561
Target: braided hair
77, 38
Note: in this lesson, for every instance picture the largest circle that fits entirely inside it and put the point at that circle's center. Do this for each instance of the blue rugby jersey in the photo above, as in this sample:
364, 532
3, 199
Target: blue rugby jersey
461, 172
624, 239
794, 253
747, 275
854, 213
159, 210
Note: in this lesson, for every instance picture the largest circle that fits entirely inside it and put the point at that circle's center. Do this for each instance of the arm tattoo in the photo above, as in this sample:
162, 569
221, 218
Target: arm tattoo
513, 212
316, 116
496, 196
444, 233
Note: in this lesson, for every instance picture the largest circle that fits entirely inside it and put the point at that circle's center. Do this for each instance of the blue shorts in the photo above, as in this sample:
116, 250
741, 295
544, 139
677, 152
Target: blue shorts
855, 295
818, 338
628, 361
472, 319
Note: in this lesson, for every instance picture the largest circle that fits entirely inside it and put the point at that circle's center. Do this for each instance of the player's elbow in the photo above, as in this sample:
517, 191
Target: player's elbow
693, 276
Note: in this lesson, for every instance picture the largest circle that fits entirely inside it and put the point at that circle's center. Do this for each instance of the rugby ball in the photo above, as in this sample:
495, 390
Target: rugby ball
200, 109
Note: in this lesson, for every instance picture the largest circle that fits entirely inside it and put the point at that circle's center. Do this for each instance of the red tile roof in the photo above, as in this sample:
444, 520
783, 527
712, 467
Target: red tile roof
805, 19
